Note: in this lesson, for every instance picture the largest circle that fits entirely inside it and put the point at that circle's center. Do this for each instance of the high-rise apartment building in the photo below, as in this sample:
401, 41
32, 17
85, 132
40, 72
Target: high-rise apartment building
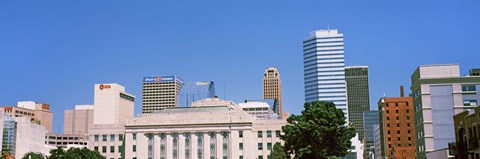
160, 92
439, 92
358, 96
397, 127
79, 120
112, 107
38, 113
272, 87
324, 68
194, 91
370, 118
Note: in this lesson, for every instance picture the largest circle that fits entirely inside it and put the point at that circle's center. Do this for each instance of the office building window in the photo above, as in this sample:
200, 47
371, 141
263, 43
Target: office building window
260, 134
260, 146
469, 102
388, 118
269, 146
269, 133
396, 104
112, 149
213, 144
95, 148
240, 145
469, 88
277, 133
104, 137
396, 111
398, 118
120, 137
163, 145
104, 149
240, 134
260, 157
112, 137
134, 136
134, 148
96, 138
240, 157
199, 145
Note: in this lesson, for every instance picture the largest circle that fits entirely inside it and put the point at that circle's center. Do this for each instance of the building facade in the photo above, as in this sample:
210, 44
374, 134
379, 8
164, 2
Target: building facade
66, 140
160, 92
397, 127
324, 68
467, 134
112, 108
370, 118
194, 91
377, 142
79, 120
20, 136
221, 131
38, 113
272, 87
358, 96
260, 110
439, 92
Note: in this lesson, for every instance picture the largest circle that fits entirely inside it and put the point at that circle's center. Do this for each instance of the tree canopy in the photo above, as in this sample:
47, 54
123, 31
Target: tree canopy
319, 132
278, 152
33, 155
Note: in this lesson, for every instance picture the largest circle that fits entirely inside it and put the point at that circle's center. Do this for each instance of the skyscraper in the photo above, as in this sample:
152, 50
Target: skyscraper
160, 92
358, 96
272, 87
439, 92
194, 91
324, 68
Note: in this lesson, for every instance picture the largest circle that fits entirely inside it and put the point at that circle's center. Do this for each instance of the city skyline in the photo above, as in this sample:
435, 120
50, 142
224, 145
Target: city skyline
55, 55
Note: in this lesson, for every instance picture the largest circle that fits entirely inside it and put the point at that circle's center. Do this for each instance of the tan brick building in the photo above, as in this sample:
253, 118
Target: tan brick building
39, 113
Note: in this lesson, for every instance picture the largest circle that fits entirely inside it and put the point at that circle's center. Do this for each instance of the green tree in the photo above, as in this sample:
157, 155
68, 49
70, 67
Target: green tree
318, 133
33, 155
74, 153
278, 152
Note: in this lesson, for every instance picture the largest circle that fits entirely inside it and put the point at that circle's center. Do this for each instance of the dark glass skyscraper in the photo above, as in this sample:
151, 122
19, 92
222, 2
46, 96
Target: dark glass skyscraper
194, 91
357, 96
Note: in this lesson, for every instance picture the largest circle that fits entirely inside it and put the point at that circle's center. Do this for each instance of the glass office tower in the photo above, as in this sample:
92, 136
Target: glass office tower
324, 68
194, 91
358, 96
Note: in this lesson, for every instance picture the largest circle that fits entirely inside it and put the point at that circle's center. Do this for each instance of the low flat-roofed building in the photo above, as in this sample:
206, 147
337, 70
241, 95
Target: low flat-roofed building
200, 132
66, 140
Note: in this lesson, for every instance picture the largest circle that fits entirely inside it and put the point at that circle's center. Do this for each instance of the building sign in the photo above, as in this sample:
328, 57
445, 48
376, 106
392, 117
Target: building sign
45, 107
159, 79
104, 86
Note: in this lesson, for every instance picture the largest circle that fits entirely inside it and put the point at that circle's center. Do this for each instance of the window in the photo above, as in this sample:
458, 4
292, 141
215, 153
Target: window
277, 133
104, 149
388, 104
269, 133
469, 102
387, 111
134, 135
260, 134
409, 138
396, 111
396, 104
408, 117
406, 104
389, 139
260, 146
388, 125
408, 130
408, 124
398, 125
120, 149
388, 118
112, 149
112, 137
134, 148
388, 131
269, 146
240, 145
469, 88
398, 131
398, 139
240, 134
120, 137
398, 118
260, 157
240, 157
95, 148
96, 138
408, 111
104, 137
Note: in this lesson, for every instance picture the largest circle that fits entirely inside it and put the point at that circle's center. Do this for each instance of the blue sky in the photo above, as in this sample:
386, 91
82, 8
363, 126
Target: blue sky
55, 51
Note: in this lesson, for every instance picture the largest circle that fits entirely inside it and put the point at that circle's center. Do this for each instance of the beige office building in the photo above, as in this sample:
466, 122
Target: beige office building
112, 107
38, 113
20, 136
201, 132
160, 92
272, 87
79, 120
